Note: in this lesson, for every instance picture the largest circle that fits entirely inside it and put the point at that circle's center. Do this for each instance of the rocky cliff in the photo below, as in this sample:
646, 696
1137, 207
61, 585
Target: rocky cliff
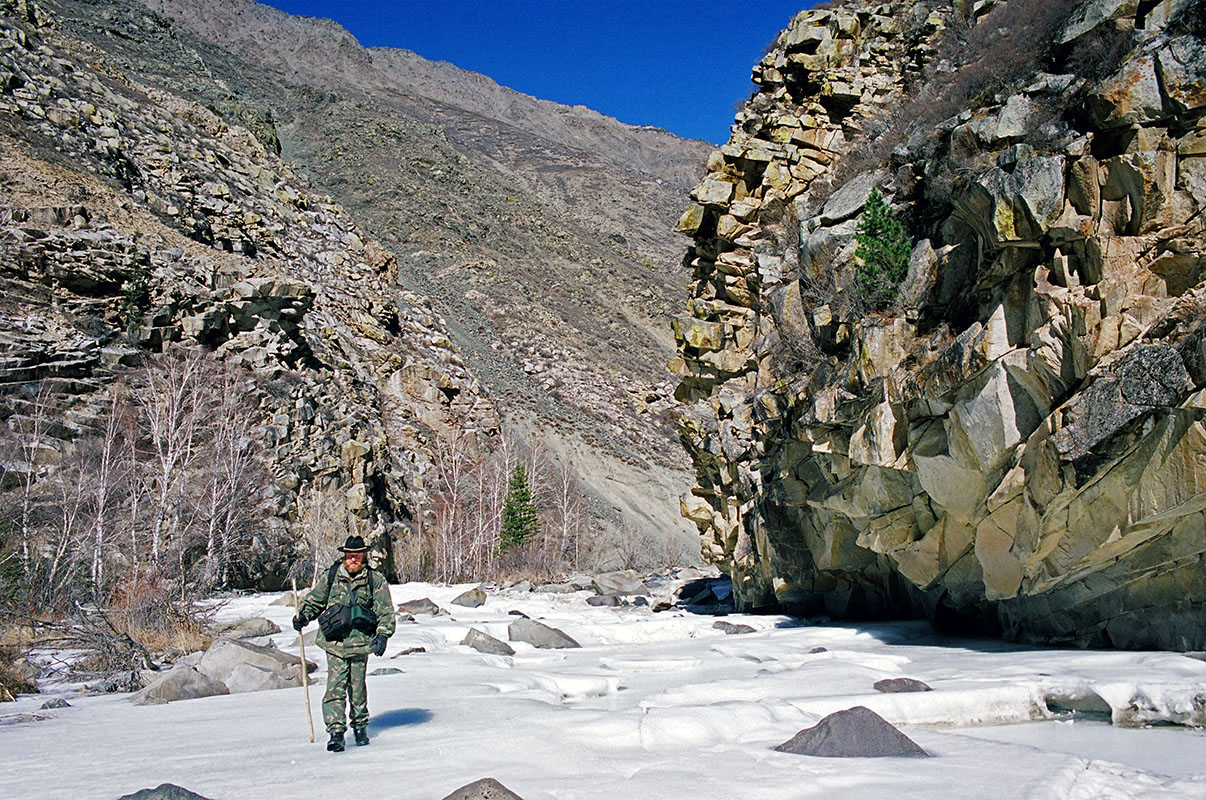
110, 185
1018, 444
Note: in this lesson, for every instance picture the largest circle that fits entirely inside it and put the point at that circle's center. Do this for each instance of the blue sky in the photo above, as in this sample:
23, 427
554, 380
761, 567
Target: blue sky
671, 63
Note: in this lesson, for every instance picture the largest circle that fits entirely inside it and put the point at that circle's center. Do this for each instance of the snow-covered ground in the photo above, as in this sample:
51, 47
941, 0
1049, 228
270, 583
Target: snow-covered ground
652, 706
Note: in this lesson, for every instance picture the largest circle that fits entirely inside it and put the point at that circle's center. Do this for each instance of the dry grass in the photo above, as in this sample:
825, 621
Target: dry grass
14, 643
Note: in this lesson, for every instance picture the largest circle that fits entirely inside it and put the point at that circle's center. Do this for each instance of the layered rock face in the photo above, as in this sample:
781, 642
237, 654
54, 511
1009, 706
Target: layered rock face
1018, 446
124, 208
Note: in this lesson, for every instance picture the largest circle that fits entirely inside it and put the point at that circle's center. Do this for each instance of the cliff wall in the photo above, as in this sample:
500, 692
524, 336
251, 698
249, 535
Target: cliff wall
1018, 443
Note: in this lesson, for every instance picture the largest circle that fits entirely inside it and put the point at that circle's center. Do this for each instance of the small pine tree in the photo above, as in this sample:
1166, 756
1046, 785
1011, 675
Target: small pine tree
882, 253
520, 521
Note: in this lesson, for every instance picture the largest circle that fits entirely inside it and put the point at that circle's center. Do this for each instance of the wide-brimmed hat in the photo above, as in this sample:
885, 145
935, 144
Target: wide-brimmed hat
354, 544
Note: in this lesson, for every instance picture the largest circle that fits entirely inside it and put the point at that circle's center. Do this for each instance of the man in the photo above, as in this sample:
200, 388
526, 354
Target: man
356, 616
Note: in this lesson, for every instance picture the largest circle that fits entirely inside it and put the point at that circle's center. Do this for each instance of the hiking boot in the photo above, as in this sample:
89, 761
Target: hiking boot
336, 743
361, 736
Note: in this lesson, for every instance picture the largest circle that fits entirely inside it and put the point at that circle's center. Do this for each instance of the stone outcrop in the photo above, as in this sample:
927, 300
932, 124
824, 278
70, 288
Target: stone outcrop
1018, 446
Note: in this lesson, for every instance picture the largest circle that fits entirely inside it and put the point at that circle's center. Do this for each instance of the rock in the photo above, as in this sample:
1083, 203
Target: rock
421, 607
1147, 378
385, 671
849, 200
164, 791
472, 598
484, 789
1131, 96
539, 635
854, 733
485, 643
57, 702
22, 717
625, 582
605, 601
249, 628
897, 685
288, 599
662, 605
251, 667
731, 628
179, 683
816, 650
522, 586
557, 588
250, 678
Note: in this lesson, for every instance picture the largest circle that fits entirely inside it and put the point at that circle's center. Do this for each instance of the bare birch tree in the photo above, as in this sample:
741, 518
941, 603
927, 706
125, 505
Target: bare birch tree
169, 404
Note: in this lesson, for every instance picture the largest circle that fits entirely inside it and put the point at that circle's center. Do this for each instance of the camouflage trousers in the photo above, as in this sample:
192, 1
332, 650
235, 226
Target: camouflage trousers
345, 685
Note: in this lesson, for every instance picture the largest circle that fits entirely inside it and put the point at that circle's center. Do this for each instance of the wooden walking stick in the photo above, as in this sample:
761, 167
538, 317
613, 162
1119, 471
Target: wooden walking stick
301, 641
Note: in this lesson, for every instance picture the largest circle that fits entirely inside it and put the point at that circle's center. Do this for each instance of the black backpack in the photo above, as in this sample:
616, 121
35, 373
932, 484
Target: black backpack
338, 621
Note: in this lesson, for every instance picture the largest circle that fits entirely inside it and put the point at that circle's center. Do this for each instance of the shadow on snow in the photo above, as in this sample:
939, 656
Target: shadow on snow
399, 717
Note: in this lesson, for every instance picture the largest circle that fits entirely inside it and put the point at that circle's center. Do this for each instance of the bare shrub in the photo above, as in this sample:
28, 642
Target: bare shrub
150, 614
973, 60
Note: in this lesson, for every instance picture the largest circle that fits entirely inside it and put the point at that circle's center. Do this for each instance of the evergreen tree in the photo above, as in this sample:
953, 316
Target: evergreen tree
520, 521
882, 253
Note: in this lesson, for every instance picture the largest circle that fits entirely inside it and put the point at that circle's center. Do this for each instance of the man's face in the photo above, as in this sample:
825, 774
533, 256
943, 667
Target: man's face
353, 562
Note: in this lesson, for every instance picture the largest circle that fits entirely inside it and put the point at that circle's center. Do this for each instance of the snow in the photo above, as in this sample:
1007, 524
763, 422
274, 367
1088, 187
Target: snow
652, 705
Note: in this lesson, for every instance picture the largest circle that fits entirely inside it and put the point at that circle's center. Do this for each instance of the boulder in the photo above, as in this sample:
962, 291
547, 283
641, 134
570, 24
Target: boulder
288, 599
421, 607
473, 598
227, 656
484, 789
539, 635
623, 582
898, 685
164, 791
250, 678
249, 628
854, 733
604, 601
57, 702
485, 643
179, 683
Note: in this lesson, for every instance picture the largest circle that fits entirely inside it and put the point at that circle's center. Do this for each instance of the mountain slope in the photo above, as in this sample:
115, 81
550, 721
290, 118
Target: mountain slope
538, 228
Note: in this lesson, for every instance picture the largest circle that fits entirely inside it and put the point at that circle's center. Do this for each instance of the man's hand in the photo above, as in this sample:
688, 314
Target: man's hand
379, 645
299, 622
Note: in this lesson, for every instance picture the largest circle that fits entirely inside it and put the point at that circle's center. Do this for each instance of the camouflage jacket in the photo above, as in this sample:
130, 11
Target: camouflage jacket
368, 588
